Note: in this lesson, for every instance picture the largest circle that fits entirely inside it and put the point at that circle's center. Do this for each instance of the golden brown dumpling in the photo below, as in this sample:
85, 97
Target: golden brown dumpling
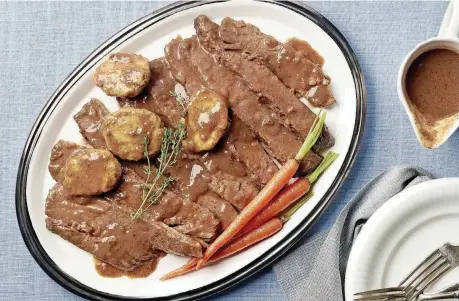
123, 74
206, 121
90, 171
126, 131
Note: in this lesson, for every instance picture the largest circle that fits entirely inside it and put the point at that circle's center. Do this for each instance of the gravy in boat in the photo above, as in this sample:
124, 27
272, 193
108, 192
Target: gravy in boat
432, 87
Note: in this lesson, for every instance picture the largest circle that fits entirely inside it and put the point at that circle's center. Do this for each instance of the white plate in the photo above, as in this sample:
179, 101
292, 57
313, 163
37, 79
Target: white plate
401, 233
72, 267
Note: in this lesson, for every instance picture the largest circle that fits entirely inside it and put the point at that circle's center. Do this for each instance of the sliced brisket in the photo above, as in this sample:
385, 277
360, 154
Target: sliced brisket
306, 50
108, 232
195, 173
294, 69
89, 120
172, 208
190, 63
221, 208
244, 145
293, 113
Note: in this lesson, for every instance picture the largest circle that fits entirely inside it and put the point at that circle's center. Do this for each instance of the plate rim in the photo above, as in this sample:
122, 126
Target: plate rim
432, 184
68, 282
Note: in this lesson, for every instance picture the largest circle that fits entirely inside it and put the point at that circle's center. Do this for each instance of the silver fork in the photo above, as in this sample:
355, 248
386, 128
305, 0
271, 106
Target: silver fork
428, 271
449, 292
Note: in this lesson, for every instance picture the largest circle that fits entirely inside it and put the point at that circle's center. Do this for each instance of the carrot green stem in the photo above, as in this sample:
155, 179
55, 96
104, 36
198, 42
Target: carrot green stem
326, 162
312, 137
288, 214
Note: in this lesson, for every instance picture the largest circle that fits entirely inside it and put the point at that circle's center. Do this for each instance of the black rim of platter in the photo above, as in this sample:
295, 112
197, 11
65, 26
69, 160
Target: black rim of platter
68, 282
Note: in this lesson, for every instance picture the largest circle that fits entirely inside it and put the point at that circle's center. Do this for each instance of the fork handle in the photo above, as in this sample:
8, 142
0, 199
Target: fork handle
439, 296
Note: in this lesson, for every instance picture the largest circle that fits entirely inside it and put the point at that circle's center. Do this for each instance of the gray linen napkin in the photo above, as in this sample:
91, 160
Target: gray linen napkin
315, 270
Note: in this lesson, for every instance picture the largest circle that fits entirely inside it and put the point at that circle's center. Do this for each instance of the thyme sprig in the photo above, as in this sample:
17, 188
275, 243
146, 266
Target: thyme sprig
170, 149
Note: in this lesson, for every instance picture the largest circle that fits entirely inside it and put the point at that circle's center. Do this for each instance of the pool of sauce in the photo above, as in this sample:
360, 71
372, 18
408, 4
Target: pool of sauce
143, 271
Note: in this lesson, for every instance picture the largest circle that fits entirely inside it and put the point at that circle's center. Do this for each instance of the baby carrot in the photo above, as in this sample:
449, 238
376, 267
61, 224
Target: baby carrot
277, 182
272, 188
264, 231
326, 162
289, 195
184, 269
284, 199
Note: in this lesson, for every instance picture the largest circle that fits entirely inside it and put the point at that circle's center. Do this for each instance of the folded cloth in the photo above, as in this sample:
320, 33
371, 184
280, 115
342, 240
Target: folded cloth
315, 270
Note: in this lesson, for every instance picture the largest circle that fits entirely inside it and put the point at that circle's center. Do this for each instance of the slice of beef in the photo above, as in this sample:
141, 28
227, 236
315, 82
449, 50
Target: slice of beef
195, 174
139, 167
229, 178
193, 179
129, 194
171, 208
244, 145
89, 120
108, 232
289, 65
293, 113
221, 208
59, 156
193, 63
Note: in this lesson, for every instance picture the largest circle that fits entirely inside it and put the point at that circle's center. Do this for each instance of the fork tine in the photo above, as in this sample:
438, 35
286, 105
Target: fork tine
426, 274
380, 290
440, 273
434, 254
380, 294
382, 298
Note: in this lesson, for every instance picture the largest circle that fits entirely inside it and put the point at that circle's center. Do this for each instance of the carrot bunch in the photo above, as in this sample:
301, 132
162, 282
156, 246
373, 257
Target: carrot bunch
258, 220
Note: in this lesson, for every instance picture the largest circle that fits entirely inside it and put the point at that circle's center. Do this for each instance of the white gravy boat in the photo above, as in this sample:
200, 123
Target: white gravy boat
432, 136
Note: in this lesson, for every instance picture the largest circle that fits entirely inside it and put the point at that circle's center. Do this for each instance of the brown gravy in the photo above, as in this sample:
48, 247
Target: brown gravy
432, 84
306, 49
143, 271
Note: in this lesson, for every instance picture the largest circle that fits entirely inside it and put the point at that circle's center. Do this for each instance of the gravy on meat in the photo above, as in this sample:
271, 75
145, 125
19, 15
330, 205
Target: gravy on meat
89, 120
142, 271
293, 68
306, 50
